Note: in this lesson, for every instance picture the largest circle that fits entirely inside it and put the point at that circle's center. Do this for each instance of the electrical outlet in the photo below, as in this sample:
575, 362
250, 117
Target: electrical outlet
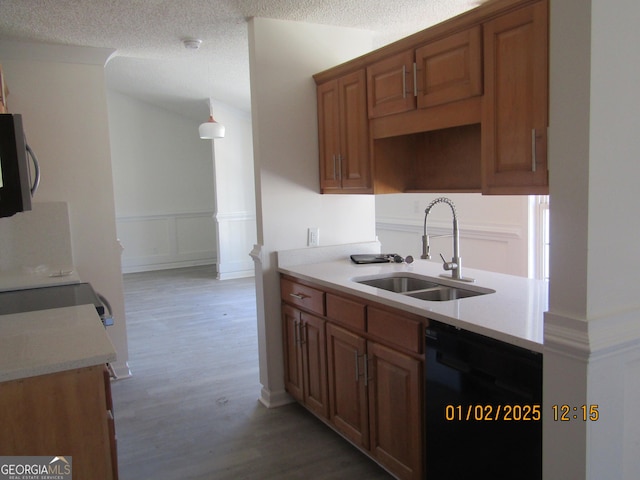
313, 237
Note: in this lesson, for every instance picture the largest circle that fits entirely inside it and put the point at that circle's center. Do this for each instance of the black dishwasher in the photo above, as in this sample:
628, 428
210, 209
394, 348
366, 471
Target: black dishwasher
483, 414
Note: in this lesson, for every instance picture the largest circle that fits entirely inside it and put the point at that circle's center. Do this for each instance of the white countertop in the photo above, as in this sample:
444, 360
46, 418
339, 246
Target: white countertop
514, 313
43, 276
50, 341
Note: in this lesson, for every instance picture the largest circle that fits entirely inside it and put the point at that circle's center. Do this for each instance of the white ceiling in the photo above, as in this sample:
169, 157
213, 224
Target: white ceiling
152, 64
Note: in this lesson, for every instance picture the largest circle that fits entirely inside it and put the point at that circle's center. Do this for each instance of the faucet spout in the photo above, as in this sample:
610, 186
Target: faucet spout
455, 265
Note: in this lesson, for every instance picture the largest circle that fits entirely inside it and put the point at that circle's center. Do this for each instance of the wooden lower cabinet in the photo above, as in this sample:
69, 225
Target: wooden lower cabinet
395, 410
61, 414
359, 367
348, 400
375, 400
305, 359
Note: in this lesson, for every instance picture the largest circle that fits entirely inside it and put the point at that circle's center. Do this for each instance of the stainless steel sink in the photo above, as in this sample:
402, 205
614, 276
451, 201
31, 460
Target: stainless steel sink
422, 287
399, 284
443, 294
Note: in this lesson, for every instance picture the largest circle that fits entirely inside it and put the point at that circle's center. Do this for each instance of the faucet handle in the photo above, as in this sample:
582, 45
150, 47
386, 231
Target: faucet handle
448, 265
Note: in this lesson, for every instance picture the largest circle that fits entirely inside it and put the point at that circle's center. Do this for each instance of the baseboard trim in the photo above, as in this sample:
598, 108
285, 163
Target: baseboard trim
274, 399
151, 267
122, 370
234, 275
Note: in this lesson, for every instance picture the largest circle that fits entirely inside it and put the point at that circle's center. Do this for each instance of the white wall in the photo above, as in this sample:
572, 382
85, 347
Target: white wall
235, 193
60, 91
163, 185
494, 230
592, 339
283, 57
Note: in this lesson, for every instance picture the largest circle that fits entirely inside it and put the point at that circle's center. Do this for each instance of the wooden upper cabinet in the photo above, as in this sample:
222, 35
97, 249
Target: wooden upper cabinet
481, 77
439, 72
390, 85
515, 111
343, 129
328, 135
449, 69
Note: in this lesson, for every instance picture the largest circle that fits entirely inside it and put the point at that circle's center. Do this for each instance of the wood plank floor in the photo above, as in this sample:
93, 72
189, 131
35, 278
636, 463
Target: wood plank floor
190, 411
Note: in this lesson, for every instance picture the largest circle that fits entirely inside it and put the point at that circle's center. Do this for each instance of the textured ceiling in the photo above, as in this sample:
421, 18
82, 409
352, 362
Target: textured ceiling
151, 62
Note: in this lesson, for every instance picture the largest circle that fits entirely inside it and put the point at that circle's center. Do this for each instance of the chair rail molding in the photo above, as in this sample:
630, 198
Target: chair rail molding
478, 231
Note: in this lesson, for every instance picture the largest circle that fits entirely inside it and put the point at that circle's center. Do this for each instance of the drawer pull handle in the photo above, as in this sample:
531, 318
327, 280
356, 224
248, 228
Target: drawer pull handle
299, 296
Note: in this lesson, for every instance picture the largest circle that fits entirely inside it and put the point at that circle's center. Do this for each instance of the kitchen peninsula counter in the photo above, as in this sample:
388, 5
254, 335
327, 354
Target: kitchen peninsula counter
513, 314
51, 341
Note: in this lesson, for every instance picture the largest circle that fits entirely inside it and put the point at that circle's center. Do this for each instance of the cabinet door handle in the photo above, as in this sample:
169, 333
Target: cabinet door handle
339, 167
303, 333
404, 81
299, 296
533, 150
365, 374
415, 79
366, 370
296, 332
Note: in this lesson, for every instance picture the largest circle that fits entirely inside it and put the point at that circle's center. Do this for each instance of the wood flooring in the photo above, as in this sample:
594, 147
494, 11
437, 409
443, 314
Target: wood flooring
190, 411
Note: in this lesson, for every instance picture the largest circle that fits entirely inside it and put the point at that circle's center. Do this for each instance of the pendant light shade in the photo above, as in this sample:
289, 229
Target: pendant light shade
211, 129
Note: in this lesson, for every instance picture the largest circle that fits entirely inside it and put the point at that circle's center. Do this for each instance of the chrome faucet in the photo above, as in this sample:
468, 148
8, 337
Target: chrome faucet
455, 265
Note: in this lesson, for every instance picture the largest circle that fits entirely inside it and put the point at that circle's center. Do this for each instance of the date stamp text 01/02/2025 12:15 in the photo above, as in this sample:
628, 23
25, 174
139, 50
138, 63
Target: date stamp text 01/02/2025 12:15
519, 413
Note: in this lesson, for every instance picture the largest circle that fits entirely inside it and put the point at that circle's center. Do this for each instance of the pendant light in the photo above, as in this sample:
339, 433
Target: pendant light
211, 129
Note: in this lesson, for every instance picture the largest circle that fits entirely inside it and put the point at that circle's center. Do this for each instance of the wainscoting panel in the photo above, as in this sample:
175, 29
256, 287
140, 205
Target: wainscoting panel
236, 236
157, 242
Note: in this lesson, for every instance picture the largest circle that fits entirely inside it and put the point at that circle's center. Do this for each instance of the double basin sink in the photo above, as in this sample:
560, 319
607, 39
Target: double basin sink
422, 287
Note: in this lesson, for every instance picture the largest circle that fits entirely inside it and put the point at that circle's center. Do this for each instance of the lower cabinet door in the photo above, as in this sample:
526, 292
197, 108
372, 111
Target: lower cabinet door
314, 364
348, 404
395, 411
292, 355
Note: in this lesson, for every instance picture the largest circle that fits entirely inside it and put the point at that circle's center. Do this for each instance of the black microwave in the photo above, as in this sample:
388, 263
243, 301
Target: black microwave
16, 187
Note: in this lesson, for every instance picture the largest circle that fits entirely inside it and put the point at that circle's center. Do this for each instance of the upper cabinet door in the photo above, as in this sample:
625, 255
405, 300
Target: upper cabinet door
390, 85
515, 111
450, 69
329, 134
354, 161
343, 134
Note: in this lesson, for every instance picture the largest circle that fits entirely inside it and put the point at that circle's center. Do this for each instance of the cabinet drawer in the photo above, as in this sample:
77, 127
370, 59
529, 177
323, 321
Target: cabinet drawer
347, 312
395, 329
302, 296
